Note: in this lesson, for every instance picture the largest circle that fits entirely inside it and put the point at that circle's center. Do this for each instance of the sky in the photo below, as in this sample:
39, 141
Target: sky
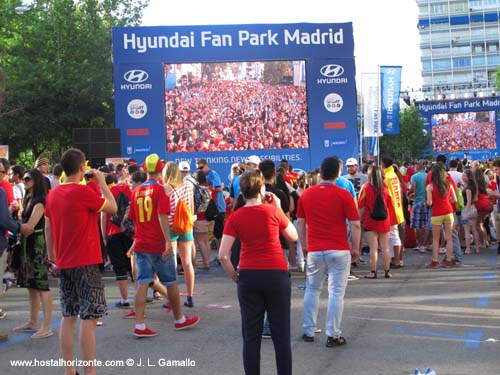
385, 31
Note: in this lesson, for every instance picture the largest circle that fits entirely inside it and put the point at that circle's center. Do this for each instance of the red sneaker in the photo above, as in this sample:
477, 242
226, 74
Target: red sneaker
432, 264
446, 264
129, 315
189, 322
145, 332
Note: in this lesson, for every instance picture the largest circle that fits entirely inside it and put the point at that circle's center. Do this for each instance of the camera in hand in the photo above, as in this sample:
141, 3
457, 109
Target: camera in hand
88, 175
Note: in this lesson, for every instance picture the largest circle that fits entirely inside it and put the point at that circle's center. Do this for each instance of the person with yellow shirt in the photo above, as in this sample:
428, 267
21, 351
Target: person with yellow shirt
396, 214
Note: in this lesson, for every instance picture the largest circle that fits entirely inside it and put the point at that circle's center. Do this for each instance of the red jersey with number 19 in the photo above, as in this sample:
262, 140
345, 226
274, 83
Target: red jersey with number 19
148, 201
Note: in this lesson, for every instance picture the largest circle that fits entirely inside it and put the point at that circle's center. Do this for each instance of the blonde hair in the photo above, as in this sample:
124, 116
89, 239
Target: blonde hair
172, 175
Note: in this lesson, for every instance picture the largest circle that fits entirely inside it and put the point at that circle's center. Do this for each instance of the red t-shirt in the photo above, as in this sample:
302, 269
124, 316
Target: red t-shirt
366, 200
111, 228
73, 211
148, 201
325, 207
450, 179
9, 191
258, 229
441, 205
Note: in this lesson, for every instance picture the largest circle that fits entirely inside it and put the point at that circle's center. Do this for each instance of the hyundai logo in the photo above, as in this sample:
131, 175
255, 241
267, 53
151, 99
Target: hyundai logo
332, 70
136, 76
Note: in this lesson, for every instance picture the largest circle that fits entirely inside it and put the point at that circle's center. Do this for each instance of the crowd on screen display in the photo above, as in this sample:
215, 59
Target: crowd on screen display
449, 136
223, 115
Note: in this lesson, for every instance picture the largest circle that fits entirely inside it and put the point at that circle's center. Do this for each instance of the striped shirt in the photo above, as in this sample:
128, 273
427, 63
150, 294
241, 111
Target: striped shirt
185, 192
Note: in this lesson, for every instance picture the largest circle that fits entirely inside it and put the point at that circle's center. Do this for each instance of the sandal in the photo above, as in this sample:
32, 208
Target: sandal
26, 327
372, 276
42, 335
157, 295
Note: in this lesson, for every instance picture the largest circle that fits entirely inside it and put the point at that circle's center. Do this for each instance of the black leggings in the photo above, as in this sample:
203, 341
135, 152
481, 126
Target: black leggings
260, 291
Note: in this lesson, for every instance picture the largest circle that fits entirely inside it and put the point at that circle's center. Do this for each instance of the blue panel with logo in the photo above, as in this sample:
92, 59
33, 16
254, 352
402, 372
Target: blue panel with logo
332, 109
155, 72
139, 109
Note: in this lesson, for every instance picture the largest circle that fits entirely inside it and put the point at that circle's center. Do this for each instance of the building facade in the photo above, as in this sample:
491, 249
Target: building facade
459, 41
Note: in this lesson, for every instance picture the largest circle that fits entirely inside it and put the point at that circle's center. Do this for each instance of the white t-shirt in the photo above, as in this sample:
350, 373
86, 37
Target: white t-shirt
456, 176
18, 191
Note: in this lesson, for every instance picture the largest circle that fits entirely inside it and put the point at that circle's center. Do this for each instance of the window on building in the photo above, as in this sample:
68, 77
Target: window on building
441, 64
492, 47
462, 62
438, 8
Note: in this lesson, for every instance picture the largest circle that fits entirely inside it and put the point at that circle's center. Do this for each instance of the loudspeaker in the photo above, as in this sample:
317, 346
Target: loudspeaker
98, 142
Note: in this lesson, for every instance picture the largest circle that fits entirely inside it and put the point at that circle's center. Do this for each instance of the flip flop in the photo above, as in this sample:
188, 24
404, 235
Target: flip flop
25, 328
42, 336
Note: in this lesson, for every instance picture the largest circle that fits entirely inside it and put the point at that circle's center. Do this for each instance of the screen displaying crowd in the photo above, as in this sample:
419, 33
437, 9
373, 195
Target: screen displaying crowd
235, 106
463, 131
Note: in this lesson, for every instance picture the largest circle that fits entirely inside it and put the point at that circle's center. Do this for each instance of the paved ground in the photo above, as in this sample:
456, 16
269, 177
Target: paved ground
446, 319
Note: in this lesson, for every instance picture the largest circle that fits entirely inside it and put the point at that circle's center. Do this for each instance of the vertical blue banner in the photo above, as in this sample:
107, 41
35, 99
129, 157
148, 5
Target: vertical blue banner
390, 78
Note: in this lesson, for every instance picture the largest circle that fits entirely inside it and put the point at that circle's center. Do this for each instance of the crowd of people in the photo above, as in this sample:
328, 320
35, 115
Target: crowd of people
455, 133
223, 115
320, 223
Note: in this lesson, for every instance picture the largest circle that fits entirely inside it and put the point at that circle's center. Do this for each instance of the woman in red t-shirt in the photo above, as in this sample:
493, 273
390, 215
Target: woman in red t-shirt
263, 279
441, 197
482, 204
377, 231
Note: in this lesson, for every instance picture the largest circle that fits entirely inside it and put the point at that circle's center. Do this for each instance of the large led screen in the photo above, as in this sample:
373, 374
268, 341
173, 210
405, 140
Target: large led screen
235, 106
463, 131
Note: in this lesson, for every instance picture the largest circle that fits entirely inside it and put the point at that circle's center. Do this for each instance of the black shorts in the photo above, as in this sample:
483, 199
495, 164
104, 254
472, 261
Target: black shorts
82, 292
118, 246
219, 225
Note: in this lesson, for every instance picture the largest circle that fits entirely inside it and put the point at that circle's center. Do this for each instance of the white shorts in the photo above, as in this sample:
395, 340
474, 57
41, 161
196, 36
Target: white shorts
394, 239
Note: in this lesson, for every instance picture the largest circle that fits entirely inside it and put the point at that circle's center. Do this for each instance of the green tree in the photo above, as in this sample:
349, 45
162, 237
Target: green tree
497, 77
412, 142
274, 71
57, 69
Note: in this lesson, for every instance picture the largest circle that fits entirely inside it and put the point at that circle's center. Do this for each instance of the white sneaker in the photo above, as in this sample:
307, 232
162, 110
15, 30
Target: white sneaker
9, 276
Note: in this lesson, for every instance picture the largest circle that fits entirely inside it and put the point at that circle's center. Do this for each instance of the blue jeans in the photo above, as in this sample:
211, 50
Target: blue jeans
457, 250
336, 264
150, 263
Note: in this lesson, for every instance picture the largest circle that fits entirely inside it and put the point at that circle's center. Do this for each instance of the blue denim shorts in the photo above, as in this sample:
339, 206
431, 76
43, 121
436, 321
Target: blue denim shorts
148, 264
181, 237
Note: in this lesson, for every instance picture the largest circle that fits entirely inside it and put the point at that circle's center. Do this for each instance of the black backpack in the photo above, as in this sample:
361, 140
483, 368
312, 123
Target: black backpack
122, 202
379, 211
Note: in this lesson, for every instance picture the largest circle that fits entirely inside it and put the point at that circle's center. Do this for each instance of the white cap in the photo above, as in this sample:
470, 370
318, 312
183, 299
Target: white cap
184, 166
254, 159
351, 161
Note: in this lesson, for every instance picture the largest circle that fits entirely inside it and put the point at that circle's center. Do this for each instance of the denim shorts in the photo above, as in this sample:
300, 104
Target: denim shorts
181, 237
151, 263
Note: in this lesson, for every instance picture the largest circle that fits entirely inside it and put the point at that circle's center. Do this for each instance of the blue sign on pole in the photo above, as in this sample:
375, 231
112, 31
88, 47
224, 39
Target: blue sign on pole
390, 78
226, 92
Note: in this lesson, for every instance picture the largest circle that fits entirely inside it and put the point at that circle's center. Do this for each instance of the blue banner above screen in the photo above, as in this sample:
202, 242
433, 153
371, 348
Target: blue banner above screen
279, 91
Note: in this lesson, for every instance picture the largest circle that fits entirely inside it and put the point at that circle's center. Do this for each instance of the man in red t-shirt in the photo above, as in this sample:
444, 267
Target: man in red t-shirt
73, 245
149, 208
117, 242
322, 213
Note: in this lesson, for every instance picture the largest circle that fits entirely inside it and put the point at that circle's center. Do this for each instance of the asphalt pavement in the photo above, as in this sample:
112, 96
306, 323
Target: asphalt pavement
445, 319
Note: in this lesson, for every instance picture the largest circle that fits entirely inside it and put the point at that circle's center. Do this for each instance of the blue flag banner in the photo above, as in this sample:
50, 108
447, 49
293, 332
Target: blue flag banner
390, 78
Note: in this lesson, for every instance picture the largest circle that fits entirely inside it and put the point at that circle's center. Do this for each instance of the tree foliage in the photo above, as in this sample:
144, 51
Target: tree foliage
412, 142
57, 69
497, 78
